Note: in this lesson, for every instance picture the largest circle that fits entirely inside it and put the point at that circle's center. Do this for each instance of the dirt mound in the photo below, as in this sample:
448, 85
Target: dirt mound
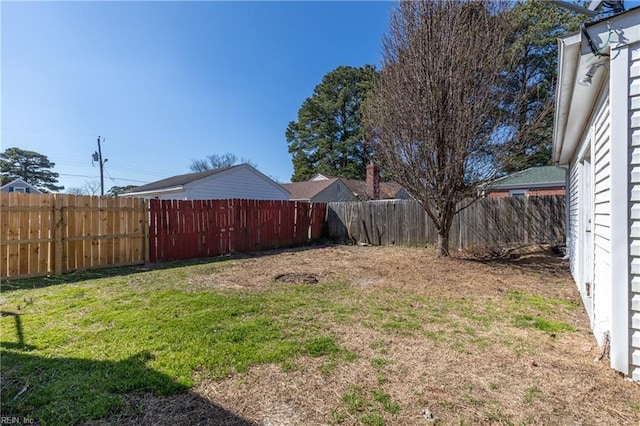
296, 278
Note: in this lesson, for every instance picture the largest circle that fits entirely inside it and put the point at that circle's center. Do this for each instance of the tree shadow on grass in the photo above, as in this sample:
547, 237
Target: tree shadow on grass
51, 390
92, 274
122, 271
57, 390
533, 258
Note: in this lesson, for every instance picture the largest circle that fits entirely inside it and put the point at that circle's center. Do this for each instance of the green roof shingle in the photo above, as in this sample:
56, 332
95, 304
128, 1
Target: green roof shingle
535, 176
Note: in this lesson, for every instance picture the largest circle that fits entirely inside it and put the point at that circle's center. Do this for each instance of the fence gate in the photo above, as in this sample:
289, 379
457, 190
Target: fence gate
43, 234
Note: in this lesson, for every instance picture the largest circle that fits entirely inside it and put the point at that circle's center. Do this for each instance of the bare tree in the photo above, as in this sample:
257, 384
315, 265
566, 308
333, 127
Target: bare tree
216, 161
435, 115
76, 190
90, 187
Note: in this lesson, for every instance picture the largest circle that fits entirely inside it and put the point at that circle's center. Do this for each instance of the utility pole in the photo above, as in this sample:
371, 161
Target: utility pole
97, 156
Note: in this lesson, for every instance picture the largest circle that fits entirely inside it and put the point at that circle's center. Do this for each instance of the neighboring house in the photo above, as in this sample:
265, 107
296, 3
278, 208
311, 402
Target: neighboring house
19, 185
240, 181
535, 181
325, 188
597, 137
320, 191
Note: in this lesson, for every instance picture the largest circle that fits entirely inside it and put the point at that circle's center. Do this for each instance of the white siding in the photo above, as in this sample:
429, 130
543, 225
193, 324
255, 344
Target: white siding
601, 296
238, 182
18, 185
174, 195
634, 250
573, 199
603, 135
337, 191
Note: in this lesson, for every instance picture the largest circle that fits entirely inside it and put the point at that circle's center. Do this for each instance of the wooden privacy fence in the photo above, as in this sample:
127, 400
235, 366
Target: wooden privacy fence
205, 228
44, 234
487, 223
511, 221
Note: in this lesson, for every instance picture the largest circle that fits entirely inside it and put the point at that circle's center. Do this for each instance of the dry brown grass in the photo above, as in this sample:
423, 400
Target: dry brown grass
460, 368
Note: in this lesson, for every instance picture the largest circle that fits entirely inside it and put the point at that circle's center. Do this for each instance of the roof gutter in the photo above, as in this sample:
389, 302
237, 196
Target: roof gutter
586, 56
556, 184
571, 116
568, 57
153, 191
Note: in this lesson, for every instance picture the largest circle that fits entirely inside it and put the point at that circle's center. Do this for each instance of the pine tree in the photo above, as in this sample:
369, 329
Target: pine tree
328, 137
30, 166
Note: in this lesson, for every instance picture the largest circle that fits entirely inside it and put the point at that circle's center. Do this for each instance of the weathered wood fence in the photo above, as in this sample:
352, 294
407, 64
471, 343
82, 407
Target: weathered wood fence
206, 228
43, 234
487, 223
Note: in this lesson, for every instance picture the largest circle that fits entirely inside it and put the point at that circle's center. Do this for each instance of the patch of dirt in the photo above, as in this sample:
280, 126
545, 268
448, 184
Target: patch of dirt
296, 278
555, 381
416, 269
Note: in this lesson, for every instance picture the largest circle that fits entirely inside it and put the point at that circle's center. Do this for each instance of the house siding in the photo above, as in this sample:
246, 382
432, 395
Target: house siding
634, 179
546, 192
601, 229
573, 203
589, 229
173, 195
17, 188
337, 191
602, 147
18, 185
535, 192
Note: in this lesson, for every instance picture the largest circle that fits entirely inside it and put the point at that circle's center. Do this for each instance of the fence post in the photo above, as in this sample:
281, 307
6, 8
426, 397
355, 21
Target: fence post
57, 234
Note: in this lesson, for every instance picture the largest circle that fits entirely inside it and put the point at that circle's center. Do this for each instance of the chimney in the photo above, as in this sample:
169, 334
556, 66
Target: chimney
373, 181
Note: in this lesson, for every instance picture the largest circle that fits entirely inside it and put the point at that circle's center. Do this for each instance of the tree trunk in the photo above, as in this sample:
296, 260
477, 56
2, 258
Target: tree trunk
445, 222
442, 246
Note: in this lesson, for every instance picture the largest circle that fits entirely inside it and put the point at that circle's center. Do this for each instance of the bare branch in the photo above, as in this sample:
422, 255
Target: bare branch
216, 161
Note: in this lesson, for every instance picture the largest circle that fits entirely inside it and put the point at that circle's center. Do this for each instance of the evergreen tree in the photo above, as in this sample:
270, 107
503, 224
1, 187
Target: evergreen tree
115, 191
329, 136
30, 166
532, 62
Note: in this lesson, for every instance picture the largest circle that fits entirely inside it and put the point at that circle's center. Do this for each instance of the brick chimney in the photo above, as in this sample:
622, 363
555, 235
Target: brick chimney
373, 181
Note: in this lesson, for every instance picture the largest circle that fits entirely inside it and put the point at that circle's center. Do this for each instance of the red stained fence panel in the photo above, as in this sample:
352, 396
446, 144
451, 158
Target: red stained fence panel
189, 229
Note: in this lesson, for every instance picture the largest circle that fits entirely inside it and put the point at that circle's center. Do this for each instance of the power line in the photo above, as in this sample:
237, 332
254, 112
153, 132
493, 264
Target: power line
136, 170
93, 177
112, 179
50, 132
114, 166
112, 139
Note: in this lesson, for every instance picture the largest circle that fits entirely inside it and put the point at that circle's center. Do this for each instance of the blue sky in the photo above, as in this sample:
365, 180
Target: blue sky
168, 82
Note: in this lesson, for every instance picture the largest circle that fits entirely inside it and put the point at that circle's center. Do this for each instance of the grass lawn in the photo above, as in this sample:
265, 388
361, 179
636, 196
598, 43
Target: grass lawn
82, 347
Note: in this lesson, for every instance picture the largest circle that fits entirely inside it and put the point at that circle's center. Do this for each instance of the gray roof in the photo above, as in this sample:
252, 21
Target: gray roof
308, 189
388, 190
179, 180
